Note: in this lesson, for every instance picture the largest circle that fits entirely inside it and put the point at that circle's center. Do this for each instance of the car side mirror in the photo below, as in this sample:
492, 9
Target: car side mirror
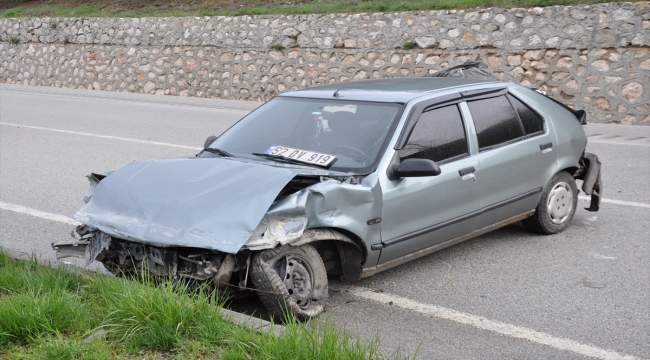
209, 141
415, 168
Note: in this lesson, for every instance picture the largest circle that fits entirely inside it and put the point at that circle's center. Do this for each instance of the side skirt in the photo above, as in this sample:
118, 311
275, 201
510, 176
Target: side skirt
457, 240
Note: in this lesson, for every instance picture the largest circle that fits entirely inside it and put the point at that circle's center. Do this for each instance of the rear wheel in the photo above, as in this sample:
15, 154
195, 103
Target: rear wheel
557, 206
291, 279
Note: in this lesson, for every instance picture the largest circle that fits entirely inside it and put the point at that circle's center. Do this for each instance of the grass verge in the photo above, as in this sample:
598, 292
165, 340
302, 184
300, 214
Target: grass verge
60, 8
52, 313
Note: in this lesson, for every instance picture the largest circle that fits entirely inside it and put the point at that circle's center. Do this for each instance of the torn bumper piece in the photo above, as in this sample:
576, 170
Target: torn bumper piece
71, 249
86, 243
589, 172
213, 204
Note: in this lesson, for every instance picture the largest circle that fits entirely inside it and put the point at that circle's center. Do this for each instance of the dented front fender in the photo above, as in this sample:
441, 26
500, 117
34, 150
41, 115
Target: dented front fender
331, 204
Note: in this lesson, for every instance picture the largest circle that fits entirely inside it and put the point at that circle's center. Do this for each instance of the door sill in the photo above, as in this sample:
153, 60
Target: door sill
457, 240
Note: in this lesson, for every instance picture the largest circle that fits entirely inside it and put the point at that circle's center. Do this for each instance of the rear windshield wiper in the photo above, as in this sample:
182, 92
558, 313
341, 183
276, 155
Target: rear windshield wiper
285, 160
218, 152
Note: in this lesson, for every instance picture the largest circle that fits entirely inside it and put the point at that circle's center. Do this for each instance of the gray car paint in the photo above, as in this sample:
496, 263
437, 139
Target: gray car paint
421, 208
430, 201
218, 203
346, 206
514, 169
209, 203
571, 137
411, 204
336, 205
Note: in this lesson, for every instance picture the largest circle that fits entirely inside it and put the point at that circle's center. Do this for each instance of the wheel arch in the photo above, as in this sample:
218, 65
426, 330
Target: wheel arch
570, 169
342, 252
569, 164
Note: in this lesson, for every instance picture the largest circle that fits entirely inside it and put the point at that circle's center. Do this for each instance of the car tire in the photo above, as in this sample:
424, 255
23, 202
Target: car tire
291, 279
557, 206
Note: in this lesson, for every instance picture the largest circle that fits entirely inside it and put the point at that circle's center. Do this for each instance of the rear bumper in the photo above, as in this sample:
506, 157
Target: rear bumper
589, 172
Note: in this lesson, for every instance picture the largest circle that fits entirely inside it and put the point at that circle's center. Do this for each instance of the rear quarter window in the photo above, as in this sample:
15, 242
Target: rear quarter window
532, 122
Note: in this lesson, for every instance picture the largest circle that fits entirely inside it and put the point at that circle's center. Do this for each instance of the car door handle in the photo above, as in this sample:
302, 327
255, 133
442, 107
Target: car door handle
467, 173
467, 170
546, 147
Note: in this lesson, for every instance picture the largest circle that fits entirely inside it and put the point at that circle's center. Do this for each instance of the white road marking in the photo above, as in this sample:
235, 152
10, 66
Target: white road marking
617, 202
618, 142
427, 309
37, 213
104, 136
482, 323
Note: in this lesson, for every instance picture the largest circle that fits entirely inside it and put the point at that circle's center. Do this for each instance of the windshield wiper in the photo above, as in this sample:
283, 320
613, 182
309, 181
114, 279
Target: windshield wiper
219, 152
286, 160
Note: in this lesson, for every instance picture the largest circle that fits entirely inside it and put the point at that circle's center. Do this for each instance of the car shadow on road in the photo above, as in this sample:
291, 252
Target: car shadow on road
250, 304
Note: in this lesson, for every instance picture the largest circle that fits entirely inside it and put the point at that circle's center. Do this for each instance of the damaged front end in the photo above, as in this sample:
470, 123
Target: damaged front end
133, 259
132, 230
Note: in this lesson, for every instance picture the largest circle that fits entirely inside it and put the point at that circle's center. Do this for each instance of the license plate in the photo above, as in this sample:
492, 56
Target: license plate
306, 156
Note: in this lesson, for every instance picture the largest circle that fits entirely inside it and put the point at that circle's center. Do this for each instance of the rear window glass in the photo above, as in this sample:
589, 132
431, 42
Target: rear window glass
495, 121
439, 135
532, 122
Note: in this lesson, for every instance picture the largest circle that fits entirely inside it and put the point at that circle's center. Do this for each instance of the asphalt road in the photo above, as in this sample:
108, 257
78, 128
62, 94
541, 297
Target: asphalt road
508, 294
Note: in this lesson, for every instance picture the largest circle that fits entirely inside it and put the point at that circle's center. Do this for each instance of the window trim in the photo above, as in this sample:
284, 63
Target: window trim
483, 93
544, 131
455, 100
500, 92
419, 109
544, 122
454, 158
521, 123
492, 147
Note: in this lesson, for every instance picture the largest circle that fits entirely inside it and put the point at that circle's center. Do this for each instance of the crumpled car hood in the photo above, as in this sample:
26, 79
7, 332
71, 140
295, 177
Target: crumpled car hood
205, 203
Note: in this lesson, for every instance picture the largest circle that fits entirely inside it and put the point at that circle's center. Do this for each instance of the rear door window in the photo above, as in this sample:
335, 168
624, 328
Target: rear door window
496, 122
533, 123
439, 135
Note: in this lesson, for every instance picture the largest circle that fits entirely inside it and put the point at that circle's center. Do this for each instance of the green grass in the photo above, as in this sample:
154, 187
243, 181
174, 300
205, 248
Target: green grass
310, 7
47, 313
409, 45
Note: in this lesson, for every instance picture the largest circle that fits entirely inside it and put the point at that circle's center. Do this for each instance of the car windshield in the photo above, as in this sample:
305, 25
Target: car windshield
353, 132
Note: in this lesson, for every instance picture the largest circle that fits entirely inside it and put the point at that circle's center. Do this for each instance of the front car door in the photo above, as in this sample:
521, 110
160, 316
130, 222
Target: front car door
420, 212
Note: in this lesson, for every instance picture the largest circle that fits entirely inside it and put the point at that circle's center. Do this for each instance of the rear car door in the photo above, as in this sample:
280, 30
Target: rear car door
420, 212
517, 154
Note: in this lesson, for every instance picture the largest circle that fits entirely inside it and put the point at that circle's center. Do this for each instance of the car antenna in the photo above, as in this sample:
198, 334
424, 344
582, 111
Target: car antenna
336, 93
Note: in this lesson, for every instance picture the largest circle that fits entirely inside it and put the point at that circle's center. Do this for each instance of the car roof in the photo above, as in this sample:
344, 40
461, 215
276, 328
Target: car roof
393, 90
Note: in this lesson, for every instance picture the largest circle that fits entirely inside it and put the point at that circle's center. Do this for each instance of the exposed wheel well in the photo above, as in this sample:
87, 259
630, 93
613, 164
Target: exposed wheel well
341, 254
571, 170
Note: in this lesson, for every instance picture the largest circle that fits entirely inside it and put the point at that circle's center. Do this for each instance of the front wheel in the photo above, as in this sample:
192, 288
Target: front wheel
557, 206
291, 279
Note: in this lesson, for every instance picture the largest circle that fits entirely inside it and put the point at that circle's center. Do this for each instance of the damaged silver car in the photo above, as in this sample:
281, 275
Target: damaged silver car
341, 182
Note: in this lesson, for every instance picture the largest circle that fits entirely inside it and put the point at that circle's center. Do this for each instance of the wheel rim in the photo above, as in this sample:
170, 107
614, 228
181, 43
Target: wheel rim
560, 203
297, 277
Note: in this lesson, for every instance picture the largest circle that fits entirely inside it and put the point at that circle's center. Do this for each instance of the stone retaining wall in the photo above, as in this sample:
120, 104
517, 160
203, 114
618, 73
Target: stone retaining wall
595, 57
